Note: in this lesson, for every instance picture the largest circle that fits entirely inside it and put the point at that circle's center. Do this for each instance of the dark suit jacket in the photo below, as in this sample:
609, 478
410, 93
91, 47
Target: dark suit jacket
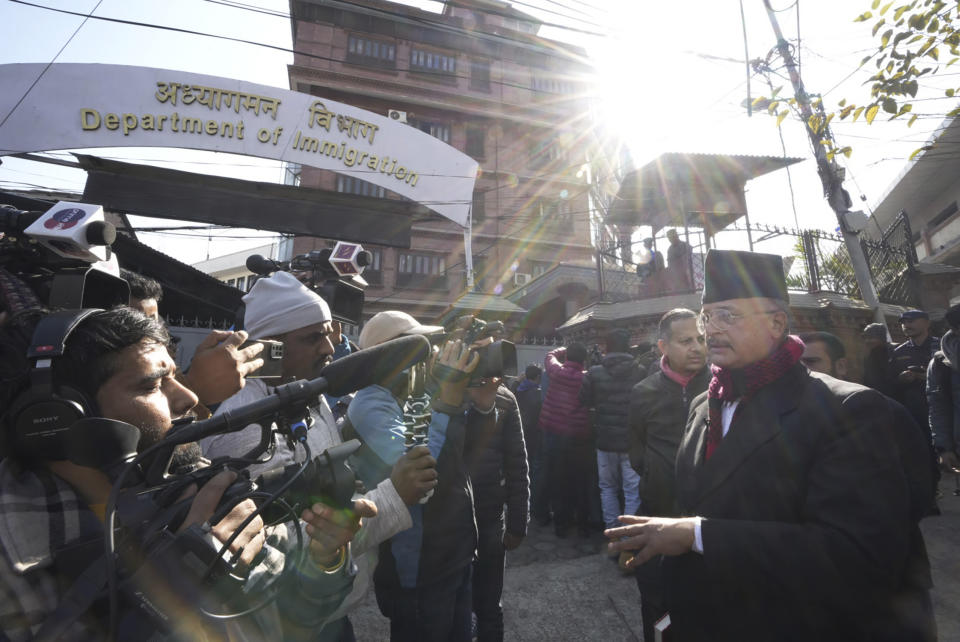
806, 519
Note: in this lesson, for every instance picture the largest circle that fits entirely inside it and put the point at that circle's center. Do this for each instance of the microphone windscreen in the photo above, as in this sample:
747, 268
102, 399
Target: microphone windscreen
374, 365
260, 265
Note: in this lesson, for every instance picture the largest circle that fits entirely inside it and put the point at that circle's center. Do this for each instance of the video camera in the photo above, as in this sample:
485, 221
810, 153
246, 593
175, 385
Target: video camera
146, 497
63, 254
334, 274
497, 359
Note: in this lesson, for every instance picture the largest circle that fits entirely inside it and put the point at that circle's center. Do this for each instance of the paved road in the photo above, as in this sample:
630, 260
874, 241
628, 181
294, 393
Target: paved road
569, 590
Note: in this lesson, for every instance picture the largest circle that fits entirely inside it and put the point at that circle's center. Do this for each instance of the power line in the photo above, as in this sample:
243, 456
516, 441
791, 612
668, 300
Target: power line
264, 45
52, 60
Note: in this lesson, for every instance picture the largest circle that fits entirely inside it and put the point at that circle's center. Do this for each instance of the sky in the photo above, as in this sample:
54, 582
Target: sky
666, 81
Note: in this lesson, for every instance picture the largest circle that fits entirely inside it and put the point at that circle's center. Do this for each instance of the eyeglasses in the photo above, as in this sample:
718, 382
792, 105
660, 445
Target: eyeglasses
723, 319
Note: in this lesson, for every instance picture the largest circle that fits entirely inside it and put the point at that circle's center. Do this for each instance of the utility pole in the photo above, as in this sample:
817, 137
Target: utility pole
831, 176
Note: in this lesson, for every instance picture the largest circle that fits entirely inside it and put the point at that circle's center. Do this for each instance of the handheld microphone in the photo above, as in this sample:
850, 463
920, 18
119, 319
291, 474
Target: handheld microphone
74, 231
343, 376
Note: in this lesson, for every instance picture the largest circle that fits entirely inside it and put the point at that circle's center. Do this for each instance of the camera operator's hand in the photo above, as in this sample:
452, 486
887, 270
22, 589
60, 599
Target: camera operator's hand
218, 370
248, 544
330, 529
414, 475
457, 362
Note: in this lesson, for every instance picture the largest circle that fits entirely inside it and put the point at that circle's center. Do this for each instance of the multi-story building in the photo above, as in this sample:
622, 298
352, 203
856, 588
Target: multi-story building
478, 77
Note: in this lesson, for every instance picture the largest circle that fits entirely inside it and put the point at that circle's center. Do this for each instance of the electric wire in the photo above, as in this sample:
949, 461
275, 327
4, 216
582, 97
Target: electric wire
279, 48
52, 60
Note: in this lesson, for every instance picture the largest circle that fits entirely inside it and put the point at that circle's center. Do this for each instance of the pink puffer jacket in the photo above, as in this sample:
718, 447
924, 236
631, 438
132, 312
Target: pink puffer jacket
562, 413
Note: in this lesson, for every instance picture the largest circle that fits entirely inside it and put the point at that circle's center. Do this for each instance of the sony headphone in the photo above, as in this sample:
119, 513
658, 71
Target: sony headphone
40, 418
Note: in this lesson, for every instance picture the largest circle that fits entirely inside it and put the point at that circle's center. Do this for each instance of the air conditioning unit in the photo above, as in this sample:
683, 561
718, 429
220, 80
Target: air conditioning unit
520, 278
397, 115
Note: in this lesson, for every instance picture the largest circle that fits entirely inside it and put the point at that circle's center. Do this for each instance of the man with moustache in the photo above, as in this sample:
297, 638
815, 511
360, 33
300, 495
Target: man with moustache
659, 406
115, 363
824, 352
796, 516
281, 307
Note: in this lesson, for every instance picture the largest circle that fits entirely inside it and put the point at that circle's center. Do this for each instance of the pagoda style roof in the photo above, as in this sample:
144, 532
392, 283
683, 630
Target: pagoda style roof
690, 190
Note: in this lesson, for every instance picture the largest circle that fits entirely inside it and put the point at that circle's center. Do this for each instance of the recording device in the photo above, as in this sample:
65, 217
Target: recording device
64, 255
272, 355
334, 274
497, 359
145, 499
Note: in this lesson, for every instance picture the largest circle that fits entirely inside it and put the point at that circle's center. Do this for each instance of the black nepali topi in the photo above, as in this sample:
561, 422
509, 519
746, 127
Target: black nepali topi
731, 274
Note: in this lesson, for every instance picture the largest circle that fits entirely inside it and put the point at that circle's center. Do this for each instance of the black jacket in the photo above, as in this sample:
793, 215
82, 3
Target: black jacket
496, 461
606, 388
529, 400
807, 528
658, 414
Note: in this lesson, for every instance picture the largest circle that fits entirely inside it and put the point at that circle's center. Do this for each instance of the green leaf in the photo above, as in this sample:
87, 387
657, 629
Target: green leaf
842, 103
904, 108
856, 114
935, 53
934, 26
877, 26
863, 17
885, 7
950, 92
783, 114
885, 38
846, 111
876, 3
872, 113
889, 106
899, 12
846, 151
912, 120
910, 87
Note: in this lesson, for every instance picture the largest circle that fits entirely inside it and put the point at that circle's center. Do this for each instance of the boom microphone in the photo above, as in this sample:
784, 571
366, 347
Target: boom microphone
261, 265
343, 376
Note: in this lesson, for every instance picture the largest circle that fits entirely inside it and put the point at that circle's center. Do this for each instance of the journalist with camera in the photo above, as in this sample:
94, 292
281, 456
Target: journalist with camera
114, 365
282, 308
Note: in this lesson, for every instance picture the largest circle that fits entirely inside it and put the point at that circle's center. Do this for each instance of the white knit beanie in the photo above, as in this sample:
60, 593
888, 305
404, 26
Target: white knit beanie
280, 303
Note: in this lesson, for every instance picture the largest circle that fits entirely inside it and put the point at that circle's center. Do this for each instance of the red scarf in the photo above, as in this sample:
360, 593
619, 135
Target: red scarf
730, 385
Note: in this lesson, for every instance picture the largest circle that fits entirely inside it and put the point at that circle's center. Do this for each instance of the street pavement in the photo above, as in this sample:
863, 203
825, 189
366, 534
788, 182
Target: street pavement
568, 589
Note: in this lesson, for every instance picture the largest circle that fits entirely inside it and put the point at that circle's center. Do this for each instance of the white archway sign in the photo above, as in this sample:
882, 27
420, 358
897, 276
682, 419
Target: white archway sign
75, 106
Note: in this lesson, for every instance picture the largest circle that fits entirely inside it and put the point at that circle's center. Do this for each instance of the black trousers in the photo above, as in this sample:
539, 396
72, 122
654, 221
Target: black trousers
488, 578
568, 478
652, 604
437, 612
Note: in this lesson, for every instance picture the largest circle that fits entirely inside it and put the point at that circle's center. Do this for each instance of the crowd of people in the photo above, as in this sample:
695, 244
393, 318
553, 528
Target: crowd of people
752, 491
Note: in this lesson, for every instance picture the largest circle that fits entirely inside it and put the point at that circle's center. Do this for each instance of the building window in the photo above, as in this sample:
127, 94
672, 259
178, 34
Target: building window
427, 271
292, 173
539, 267
475, 141
480, 75
373, 273
478, 212
360, 187
552, 85
365, 51
549, 152
947, 212
437, 130
432, 62
554, 209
